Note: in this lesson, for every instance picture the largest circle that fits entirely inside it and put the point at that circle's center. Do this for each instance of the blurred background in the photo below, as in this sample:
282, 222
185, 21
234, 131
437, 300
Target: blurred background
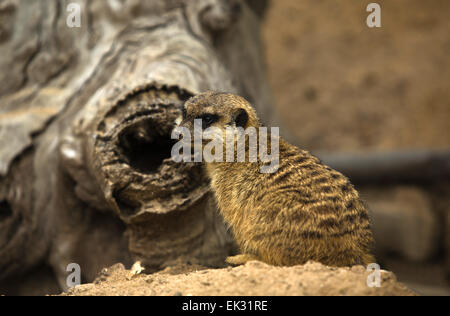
342, 87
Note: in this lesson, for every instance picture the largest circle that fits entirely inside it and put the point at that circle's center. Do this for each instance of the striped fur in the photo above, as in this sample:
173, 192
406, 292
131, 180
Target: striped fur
304, 211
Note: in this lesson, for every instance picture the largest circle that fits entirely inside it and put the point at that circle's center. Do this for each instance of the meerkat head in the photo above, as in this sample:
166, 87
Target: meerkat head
220, 110
230, 130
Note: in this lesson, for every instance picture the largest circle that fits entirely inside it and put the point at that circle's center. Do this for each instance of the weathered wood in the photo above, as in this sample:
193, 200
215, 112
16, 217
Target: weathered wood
73, 104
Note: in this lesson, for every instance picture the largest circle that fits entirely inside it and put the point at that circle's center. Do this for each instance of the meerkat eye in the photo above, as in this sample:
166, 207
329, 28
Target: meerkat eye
241, 118
209, 119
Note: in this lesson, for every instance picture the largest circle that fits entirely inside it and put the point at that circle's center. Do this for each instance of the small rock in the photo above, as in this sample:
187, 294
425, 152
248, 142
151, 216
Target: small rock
116, 267
358, 269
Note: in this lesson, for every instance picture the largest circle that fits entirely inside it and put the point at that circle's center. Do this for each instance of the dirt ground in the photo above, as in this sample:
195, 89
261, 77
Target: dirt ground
342, 86
254, 279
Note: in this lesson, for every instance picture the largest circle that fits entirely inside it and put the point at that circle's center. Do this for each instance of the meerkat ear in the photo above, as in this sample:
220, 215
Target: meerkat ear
240, 118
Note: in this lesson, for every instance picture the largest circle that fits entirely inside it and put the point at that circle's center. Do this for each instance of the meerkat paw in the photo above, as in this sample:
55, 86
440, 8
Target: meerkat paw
240, 259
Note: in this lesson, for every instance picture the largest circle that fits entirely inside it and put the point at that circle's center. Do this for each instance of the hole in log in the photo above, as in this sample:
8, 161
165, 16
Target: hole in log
144, 148
5, 210
133, 148
126, 207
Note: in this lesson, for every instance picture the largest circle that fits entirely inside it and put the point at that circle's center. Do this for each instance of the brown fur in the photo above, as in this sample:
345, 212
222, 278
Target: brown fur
304, 211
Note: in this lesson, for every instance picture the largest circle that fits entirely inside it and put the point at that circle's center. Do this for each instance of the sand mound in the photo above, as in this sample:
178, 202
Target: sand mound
254, 278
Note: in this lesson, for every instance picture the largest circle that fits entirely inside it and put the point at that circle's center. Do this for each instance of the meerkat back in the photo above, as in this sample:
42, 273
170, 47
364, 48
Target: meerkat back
306, 211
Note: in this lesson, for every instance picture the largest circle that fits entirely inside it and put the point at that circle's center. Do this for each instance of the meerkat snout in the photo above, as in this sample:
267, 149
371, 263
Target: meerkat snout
302, 211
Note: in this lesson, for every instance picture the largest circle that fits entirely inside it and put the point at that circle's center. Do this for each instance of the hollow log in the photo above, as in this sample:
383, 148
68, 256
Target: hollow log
85, 120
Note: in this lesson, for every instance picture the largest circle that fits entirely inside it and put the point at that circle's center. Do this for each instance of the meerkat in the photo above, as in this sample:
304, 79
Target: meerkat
303, 211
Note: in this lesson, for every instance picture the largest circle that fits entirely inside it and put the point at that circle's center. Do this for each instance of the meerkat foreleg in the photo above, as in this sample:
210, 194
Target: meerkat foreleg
241, 259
